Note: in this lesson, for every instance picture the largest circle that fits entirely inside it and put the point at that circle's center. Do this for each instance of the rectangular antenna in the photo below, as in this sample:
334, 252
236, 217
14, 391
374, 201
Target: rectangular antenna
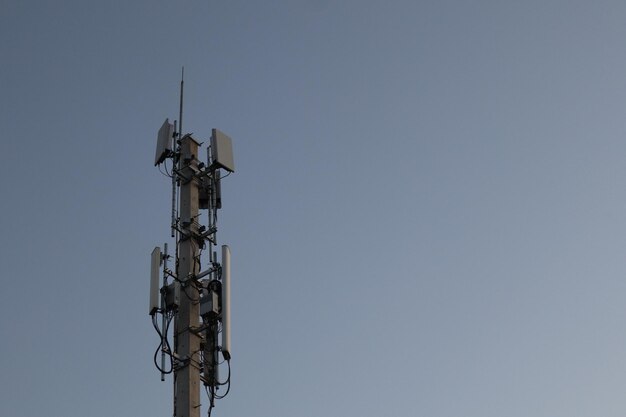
222, 151
165, 142
155, 263
226, 302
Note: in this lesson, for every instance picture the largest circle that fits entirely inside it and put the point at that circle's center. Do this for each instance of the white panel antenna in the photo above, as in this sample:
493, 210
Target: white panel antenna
226, 302
222, 151
155, 264
165, 142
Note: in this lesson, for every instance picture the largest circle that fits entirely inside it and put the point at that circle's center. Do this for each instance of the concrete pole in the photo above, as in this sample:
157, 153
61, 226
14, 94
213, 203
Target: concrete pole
187, 374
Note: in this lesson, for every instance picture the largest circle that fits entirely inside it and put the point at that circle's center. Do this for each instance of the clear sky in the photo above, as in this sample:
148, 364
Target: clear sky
428, 216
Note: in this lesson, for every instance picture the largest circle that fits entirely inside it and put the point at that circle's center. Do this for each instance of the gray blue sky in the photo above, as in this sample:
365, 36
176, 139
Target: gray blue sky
428, 216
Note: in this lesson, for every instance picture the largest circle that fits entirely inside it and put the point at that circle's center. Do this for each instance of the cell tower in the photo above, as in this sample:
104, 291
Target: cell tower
196, 300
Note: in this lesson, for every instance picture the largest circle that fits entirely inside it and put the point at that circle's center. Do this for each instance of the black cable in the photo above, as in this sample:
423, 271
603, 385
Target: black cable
156, 363
196, 263
166, 170
189, 297
167, 175
185, 284
211, 395
219, 397
162, 346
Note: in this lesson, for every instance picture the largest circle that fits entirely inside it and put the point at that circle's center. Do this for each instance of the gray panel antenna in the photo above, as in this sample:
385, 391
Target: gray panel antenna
155, 263
222, 151
165, 142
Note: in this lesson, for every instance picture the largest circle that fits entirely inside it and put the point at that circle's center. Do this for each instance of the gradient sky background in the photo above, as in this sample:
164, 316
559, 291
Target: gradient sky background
428, 216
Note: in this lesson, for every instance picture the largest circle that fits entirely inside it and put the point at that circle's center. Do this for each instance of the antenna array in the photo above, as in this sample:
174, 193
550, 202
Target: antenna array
196, 300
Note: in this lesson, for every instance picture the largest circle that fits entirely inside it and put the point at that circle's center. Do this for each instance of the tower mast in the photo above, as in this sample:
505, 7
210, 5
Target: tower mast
187, 324
197, 301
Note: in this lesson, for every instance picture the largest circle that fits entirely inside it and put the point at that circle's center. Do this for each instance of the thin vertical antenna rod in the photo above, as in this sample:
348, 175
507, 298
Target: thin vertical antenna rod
174, 173
180, 113
176, 321
180, 128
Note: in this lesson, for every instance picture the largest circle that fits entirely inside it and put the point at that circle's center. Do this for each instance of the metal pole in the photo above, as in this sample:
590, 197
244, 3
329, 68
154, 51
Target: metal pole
164, 313
187, 374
